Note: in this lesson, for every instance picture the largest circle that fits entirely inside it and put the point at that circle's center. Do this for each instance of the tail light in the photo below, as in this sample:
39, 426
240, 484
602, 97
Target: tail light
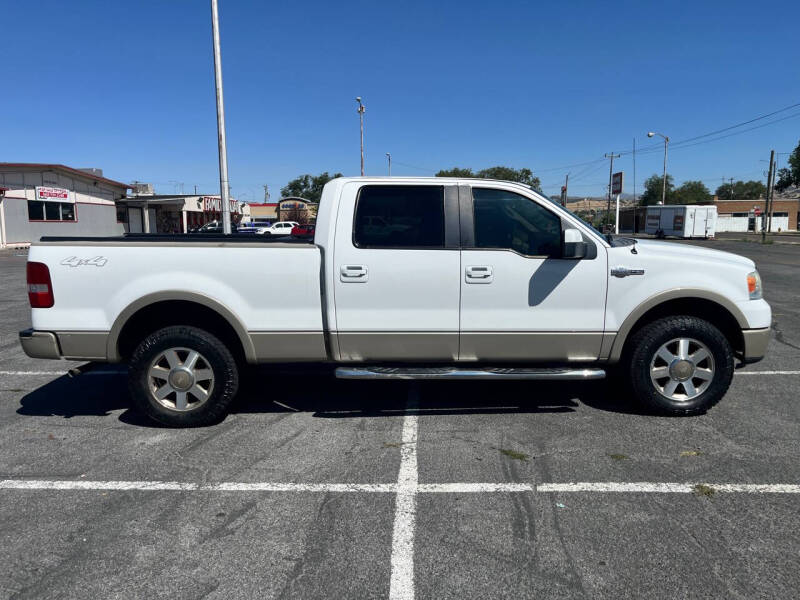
40, 289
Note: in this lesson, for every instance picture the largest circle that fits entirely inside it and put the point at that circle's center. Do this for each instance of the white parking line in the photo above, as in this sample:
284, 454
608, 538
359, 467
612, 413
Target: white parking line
401, 583
767, 372
59, 373
642, 487
658, 488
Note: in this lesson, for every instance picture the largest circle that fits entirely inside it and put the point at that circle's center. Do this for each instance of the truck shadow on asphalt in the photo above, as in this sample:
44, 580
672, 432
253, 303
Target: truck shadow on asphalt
101, 395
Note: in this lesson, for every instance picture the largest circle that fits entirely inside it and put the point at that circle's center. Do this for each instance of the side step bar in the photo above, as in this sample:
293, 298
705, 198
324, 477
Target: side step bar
560, 374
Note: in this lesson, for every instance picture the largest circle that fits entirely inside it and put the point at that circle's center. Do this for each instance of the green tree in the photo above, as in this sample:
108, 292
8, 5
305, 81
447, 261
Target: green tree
652, 190
790, 175
455, 172
523, 175
308, 186
691, 192
741, 190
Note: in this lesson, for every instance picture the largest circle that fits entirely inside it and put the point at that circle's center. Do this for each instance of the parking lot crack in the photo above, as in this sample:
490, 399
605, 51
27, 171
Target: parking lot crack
779, 335
314, 552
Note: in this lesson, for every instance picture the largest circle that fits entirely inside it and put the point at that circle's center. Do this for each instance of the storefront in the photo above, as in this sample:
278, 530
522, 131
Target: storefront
173, 213
297, 209
39, 199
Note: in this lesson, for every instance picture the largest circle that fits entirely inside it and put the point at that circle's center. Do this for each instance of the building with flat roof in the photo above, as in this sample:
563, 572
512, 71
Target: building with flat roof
174, 213
39, 199
746, 215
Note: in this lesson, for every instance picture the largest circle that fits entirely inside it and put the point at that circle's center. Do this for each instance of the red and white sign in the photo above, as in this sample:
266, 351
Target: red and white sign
52, 194
757, 211
616, 183
214, 204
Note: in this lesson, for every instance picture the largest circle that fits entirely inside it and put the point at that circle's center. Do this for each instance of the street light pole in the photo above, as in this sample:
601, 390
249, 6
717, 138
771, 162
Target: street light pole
223, 148
664, 183
361, 110
389, 156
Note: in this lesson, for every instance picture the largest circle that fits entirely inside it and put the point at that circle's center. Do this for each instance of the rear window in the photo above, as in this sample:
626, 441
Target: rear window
399, 216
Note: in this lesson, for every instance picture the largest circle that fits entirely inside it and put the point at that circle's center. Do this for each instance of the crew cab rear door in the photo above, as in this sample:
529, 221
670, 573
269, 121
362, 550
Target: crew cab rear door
396, 272
520, 300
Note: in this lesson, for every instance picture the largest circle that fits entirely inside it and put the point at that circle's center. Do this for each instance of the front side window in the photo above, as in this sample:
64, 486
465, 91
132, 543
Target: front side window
399, 216
506, 220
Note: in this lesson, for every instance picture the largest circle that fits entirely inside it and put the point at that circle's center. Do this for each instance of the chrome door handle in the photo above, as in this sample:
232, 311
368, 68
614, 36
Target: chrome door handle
625, 271
479, 274
353, 273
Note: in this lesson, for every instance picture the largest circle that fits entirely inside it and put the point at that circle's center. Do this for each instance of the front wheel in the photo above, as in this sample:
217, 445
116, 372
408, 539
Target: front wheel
183, 377
680, 365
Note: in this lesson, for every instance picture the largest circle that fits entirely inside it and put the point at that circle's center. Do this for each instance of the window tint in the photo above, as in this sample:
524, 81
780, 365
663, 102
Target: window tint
508, 220
51, 211
400, 216
35, 210
67, 212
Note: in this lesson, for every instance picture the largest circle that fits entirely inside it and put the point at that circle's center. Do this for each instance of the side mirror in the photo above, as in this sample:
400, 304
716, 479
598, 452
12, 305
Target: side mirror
573, 245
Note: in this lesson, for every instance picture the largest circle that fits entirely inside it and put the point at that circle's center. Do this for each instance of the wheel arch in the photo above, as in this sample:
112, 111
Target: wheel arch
153, 311
710, 306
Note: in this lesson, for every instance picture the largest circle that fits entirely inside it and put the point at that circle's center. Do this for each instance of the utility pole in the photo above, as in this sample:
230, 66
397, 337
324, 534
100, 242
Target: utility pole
774, 165
664, 183
634, 184
770, 177
361, 110
566, 190
612, 156
266, 193
223, 147
731, 180
389, 156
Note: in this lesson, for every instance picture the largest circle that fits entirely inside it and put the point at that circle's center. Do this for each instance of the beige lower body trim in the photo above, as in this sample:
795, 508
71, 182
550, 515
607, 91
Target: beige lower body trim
755, 344
608, 343
403, 346
531, 346
83, 345
39, 344
288, 346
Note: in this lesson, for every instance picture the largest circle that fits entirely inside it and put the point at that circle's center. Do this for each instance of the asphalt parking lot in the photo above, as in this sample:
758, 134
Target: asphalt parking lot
347, 489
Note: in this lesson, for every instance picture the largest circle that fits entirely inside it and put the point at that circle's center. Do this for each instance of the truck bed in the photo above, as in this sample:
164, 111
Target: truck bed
271, 289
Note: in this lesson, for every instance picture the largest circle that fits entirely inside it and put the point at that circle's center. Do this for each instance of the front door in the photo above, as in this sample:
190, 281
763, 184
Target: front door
397, 270
520, 301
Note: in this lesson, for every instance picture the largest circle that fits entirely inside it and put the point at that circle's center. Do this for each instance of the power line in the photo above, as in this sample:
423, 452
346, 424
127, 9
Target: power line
740, 124
684, 143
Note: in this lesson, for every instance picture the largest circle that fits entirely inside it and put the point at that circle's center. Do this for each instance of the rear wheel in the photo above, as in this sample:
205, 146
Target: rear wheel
183, 377
680, 365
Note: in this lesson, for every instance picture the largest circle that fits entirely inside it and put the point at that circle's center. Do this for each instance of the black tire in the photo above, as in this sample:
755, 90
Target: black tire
642, 351
213, 352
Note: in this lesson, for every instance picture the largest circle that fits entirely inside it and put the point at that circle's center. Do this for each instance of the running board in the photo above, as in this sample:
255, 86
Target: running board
560, 374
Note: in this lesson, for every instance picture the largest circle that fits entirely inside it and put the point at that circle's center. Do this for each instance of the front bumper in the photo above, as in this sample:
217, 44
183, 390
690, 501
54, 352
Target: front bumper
755, 344
39, 344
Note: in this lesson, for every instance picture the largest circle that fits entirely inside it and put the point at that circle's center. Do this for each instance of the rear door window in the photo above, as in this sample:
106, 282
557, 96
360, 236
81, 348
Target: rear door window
399, 216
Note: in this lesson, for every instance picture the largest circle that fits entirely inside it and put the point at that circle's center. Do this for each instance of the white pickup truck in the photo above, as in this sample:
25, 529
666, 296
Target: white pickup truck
406, 278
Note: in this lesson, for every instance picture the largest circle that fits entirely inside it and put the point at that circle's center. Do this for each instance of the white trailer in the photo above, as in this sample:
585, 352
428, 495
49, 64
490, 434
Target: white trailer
683, 221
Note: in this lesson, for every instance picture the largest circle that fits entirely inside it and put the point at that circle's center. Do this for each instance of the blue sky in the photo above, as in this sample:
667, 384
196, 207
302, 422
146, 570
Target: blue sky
128, 87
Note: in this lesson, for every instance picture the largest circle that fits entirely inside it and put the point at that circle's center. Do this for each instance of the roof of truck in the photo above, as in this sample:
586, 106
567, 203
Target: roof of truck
410, 179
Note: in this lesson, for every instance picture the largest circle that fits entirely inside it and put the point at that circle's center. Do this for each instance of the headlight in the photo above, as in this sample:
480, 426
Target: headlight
754, 286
